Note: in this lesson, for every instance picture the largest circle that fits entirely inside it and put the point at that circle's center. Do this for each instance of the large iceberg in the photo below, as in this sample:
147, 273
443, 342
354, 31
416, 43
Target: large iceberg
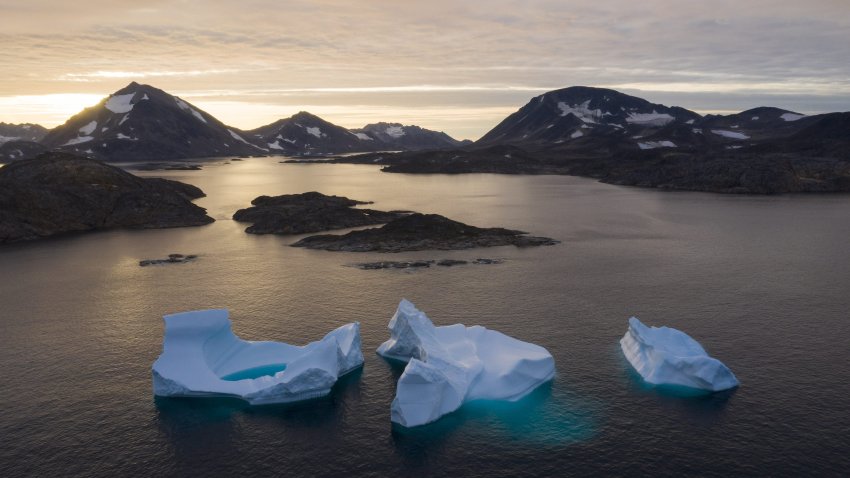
453, 364
202, 357
665, 356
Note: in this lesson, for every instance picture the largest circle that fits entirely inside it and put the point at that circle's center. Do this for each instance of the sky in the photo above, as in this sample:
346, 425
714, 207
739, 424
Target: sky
454, 66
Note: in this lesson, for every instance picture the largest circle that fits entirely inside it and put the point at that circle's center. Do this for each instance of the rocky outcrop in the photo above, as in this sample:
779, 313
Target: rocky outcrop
308, 212
418, 232
58, 193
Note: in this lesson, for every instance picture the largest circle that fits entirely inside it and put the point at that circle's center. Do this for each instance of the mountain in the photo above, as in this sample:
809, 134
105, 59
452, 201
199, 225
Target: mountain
398, 137
21, 132
307, 134
621, 139
576, 113
140, 122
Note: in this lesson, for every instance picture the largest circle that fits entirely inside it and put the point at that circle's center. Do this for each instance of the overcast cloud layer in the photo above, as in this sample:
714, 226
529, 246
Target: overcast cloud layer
449, 65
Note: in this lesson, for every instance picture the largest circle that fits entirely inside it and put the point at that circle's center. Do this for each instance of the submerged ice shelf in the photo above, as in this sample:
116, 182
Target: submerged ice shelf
665, 356
202, 357
453, 364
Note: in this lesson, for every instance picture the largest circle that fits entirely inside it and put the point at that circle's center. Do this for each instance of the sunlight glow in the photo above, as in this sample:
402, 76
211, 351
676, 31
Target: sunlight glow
48, 110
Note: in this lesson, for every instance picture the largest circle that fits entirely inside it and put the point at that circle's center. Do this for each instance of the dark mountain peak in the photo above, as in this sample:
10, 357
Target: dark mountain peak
141, 122
306, 116
579, 112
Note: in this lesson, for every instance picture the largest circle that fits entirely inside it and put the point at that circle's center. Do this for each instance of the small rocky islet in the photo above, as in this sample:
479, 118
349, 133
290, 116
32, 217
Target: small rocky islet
171, 259
402, 230
419, 232
58, 193
307, 213
417, 264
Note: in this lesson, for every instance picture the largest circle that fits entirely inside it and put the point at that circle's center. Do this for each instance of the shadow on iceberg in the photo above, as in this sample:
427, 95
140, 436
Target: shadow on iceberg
452, 365
202, 357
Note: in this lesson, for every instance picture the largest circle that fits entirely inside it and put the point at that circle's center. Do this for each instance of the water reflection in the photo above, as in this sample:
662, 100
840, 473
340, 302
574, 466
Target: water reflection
700, 406
216, 423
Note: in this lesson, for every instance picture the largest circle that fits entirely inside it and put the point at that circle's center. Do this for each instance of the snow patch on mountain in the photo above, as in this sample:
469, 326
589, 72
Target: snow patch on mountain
730, 134
81, 139
124, 136
315, 131
395, 131
576, 134
363, 136
185, 107
653, 119
582, 111
237, 137
791, 116
275, 145
657, 144
120, 103
89, 128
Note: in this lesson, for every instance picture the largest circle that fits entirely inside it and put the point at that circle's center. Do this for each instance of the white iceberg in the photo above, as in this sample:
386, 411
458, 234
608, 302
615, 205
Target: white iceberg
202, 357
453, 364
665, 356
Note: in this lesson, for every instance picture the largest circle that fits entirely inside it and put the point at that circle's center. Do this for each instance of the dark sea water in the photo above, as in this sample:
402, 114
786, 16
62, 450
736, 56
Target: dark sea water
762, 282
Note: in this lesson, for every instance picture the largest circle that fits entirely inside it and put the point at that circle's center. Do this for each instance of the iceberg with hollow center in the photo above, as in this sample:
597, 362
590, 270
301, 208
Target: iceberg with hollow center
202, 357
453, 364
665, 356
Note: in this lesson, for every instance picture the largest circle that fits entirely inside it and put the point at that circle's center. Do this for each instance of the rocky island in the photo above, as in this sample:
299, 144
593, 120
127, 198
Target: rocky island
417, 232
309, 212
58, 193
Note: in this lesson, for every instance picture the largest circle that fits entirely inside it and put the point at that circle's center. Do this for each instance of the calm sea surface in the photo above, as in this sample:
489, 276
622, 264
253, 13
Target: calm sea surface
762, 282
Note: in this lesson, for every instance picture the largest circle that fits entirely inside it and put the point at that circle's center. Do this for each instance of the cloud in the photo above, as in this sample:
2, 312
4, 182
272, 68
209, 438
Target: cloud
363, 49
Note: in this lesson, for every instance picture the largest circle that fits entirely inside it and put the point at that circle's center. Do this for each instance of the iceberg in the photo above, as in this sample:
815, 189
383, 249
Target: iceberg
665, 356
202, 357
453, 364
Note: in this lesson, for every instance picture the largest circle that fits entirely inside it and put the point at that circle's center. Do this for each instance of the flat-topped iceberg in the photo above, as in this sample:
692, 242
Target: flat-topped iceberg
665, 356
202, 357
453, 364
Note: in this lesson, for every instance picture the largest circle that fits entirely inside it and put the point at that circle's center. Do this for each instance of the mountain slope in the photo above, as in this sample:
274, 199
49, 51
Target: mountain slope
140, 122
